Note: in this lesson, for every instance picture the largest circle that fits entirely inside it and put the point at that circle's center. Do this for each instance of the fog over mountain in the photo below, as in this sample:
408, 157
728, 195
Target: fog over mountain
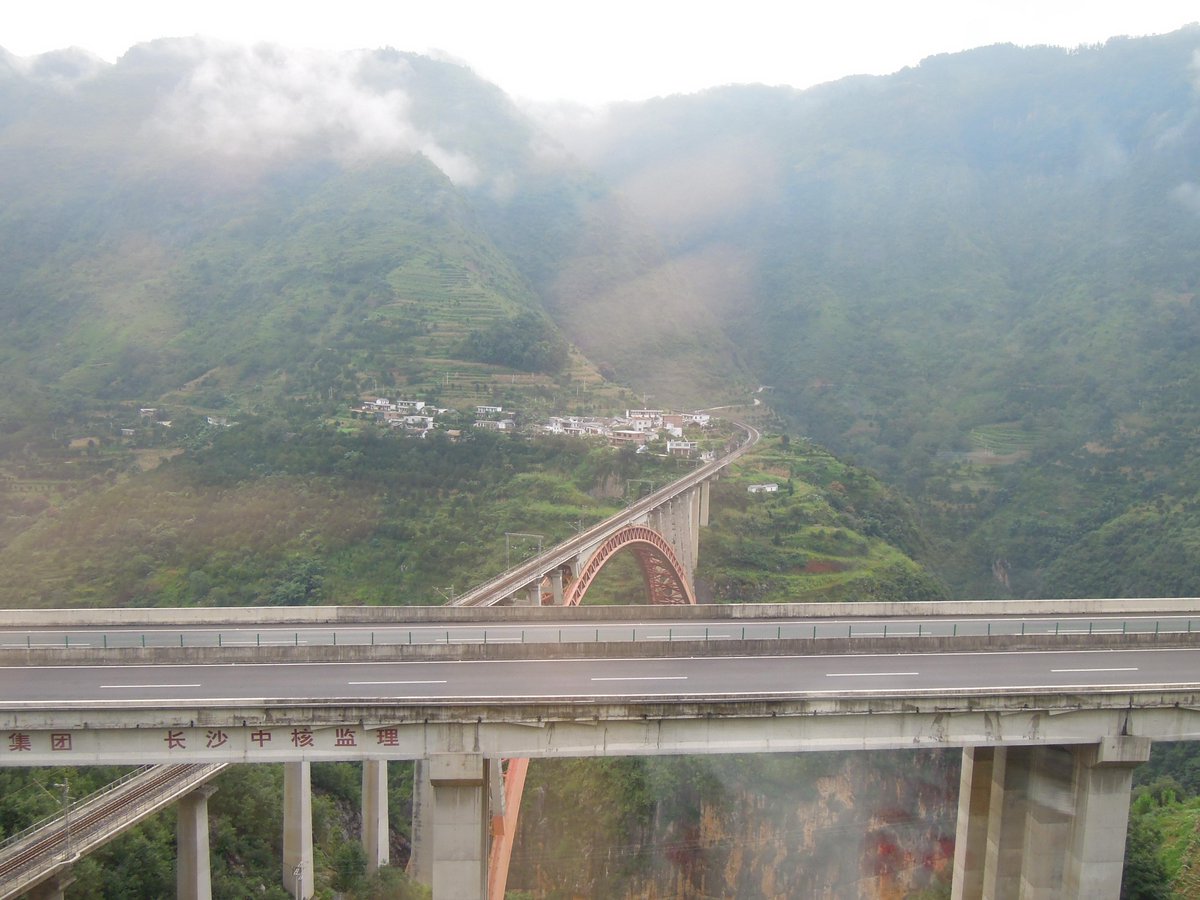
1001, 241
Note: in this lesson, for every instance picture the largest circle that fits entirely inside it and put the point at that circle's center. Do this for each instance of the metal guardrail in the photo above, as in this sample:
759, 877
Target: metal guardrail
37, 852
595, 632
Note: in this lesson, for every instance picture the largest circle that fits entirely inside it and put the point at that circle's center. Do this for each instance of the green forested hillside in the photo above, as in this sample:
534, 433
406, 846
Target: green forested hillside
1002, 241
259, 514
826, 532
976, 275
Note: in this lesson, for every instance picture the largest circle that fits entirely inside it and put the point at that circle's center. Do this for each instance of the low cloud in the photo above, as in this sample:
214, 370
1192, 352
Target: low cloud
266, 101
63, 70
1188, 195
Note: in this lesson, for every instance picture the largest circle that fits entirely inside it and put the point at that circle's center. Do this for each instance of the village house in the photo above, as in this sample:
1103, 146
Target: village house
619, 436
681, 448
496, 424
768, 488
652, 416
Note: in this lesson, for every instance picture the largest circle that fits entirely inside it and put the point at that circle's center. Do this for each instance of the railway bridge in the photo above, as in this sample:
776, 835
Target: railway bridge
662, 530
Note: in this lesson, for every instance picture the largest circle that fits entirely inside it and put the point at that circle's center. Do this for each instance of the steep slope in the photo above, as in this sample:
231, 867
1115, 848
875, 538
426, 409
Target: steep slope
977, 275
158, 227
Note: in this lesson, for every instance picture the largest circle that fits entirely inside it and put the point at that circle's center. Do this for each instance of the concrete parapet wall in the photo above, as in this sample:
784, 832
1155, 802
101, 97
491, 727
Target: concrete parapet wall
421, 615
587, 650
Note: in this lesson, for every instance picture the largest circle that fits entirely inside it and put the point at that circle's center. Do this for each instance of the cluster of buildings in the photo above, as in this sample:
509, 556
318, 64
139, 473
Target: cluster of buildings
418, 417
637, 427
406, 415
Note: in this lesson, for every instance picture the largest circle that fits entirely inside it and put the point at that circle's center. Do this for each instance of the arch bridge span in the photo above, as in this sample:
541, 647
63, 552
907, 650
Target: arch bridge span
662, 530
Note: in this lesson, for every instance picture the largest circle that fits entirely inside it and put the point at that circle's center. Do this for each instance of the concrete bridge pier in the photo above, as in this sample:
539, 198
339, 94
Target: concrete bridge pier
193, 871
420, 858
1103, 777
375, 814
54, 887
1045, 821
694, 504
452, 825
297, 830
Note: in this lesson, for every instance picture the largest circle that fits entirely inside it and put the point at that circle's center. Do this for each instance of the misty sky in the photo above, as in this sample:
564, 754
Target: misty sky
593, 52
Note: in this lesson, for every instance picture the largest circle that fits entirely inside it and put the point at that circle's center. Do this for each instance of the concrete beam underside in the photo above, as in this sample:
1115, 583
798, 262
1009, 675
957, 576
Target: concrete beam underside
556, 729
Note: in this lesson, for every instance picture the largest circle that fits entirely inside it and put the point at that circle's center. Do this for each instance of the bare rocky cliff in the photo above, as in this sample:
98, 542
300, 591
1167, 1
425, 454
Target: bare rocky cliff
837, 826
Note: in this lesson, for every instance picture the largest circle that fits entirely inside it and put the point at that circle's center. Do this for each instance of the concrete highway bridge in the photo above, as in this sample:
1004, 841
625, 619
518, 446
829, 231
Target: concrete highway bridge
1052, 704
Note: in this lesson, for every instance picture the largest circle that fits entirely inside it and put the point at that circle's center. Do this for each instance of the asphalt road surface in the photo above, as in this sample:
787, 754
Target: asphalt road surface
710, 677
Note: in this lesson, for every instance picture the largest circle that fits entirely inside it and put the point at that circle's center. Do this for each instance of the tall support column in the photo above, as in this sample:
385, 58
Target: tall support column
556, 586
54, 887
1055, 820
1047, 822
420, 859
680, 536
504, 833
297, 830
1007, 809
694, 529
193, 871
971, 830
1103, 774
460, 825
705, 490
375, 814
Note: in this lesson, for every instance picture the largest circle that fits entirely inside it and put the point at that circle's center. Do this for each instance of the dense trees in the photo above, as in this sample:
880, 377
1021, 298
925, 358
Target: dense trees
528, 342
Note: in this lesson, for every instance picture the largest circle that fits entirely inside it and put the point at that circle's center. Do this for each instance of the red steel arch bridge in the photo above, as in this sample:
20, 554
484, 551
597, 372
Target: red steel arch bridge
662, 530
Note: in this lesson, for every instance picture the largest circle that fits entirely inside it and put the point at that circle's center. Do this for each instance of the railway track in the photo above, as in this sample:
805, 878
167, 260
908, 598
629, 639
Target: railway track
33, 855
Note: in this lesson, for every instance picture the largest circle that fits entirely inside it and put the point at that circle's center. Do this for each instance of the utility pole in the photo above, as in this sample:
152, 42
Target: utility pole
65, 788
509, 535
